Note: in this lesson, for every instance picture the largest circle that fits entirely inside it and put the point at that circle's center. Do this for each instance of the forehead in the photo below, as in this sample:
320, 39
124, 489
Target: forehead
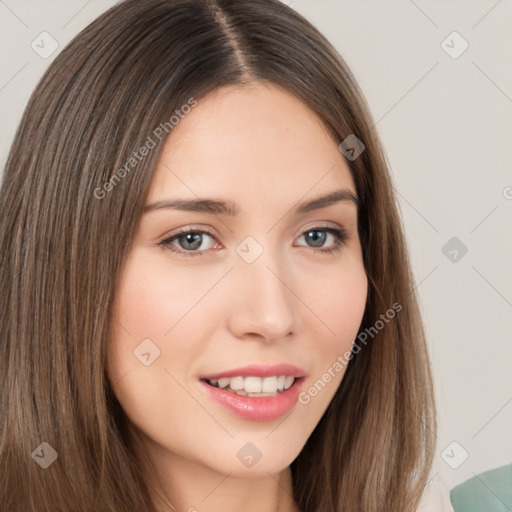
250, 144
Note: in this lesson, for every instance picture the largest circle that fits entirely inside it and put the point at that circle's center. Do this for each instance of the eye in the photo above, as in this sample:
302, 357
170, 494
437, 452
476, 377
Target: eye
190, 241
319, 234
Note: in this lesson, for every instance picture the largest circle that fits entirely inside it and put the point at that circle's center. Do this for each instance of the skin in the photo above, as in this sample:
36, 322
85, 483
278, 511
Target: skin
260, 147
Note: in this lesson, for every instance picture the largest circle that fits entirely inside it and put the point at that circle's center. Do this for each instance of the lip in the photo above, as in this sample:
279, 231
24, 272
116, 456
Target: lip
265, 408
256, 370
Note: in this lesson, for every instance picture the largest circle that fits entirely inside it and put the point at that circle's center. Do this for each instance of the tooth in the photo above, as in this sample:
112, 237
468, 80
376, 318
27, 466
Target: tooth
252, 384
223, 382
269, 385
288, 382
236, 383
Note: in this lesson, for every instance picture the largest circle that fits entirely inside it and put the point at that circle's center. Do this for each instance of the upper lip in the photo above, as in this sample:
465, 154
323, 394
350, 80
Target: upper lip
256, 370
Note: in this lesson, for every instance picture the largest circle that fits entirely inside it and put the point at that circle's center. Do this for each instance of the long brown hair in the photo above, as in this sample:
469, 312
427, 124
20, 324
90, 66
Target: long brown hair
68, 220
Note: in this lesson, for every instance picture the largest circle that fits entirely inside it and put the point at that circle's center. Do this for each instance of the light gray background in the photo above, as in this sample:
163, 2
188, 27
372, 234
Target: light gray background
446, 127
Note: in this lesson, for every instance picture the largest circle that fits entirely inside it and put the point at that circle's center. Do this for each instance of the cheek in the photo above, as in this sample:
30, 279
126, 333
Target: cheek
158, 318
338, 299
151, 348
341, 308
155, 300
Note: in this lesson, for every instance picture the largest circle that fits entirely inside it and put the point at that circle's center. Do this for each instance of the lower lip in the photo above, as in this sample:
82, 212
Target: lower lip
265, 408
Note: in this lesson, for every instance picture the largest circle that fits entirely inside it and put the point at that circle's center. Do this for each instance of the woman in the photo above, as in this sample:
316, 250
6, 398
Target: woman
207, 299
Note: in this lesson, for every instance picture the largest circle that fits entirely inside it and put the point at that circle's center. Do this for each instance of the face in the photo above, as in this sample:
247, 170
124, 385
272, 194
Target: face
263, 301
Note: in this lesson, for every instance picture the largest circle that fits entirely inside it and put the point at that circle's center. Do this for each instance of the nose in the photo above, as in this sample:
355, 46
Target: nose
263, 305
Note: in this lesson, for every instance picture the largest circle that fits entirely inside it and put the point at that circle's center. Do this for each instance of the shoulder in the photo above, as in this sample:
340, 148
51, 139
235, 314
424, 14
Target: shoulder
491, 490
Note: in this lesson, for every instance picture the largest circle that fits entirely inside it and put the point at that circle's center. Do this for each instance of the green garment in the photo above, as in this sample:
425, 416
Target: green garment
490, 491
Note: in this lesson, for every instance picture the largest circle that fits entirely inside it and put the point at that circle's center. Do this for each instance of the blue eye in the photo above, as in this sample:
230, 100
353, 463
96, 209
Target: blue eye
318, 235
191, 239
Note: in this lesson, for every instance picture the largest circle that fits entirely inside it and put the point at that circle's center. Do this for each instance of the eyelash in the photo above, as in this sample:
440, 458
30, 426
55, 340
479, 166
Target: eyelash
340, 235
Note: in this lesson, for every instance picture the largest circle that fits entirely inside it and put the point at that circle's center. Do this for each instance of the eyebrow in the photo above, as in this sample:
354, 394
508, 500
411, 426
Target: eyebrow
228, 208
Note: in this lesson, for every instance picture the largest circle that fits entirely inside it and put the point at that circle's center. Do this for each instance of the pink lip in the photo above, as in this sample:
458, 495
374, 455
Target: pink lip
256, 370
266, 408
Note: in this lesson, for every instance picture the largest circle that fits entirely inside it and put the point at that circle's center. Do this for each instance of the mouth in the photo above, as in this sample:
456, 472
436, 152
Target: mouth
256, 393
